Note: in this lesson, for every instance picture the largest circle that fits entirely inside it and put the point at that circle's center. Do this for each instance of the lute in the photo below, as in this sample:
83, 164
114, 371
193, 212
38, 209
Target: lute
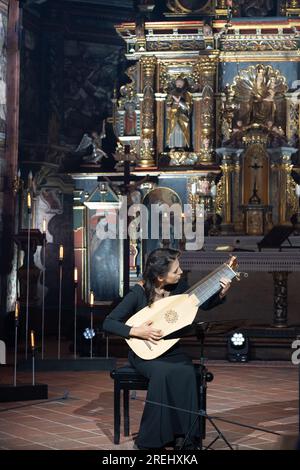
172, 313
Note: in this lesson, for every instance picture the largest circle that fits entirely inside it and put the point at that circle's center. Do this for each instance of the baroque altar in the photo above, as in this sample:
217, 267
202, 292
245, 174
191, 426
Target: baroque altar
216, 97
208, 114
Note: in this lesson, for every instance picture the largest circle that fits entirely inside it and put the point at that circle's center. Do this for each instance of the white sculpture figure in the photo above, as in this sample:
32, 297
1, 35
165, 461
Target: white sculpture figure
95, 154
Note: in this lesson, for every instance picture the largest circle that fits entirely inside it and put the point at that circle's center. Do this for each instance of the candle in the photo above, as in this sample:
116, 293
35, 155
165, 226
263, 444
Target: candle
61, 253
29, 200
75, 275
44, 225
91, 298
32, 339
17, 310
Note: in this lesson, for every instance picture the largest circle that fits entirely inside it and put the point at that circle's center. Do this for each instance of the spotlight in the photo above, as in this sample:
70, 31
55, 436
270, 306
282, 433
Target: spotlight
89, 333
238, 347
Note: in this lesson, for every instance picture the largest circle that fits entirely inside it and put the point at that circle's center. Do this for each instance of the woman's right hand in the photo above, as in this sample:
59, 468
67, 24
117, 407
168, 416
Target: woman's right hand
145, 331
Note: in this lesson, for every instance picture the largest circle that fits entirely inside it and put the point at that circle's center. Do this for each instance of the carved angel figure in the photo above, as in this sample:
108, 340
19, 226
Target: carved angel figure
91, 146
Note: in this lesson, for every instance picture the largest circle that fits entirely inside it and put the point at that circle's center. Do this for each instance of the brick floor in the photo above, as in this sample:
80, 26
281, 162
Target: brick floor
263, 395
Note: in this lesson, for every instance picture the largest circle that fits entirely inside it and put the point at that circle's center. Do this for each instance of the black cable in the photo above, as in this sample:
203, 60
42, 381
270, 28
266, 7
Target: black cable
202, 413
64, 397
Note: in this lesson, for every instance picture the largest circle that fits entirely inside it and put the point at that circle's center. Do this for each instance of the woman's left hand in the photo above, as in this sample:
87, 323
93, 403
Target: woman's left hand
225, 284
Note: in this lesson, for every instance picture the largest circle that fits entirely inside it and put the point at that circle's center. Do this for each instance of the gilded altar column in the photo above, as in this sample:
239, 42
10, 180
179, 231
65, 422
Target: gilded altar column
208, 69
287, 199
237, 215
197, 97
226, 168
148, 105
225, 191
160, 115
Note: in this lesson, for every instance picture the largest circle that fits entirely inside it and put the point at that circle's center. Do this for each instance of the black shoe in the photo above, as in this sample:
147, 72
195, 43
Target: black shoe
179, 441
180, 444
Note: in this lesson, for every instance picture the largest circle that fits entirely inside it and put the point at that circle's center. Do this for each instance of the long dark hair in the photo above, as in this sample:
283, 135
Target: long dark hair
157, 264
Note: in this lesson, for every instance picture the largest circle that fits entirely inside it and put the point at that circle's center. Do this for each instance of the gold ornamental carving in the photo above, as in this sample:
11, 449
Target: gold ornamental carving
292, 119
220, 196
292, 199
207, 68
148, 65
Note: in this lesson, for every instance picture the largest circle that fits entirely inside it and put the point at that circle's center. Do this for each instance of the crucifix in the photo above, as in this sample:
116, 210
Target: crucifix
255, 166
255, 199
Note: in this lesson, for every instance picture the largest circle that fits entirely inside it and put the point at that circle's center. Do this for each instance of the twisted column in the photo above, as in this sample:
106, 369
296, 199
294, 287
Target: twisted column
208, 70
148, 65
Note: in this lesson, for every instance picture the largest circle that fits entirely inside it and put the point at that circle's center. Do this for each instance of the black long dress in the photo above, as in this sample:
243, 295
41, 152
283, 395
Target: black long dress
172, 379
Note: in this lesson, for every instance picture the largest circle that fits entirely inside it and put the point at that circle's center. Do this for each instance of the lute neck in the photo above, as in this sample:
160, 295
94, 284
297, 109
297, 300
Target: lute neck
210, 285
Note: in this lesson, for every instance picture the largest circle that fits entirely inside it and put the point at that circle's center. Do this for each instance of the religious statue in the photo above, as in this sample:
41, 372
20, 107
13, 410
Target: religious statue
178, 111
130, 119
90, 146
258, 96
263, 104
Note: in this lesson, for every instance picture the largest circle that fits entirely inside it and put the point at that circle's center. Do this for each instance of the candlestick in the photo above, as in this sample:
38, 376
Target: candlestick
43, 287
17, 312
92, 334
27, 274
75, 310
33, 356
61, 255
92, 322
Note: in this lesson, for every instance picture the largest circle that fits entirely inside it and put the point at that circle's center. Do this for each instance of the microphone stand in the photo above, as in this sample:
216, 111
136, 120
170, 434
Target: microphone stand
16, 350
